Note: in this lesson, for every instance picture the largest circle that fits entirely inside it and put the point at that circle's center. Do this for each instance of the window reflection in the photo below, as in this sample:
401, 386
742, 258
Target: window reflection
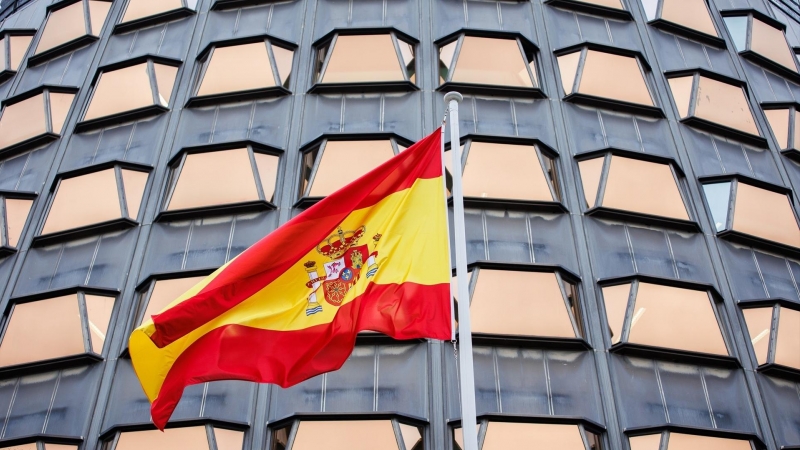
26, 120
141, 9
757, 212
44, 446
246, 67
691, 14
131, 89
335, 164
197, 181
349, 435
366, 59
681, 441
663, 316
508, 435
762, 36
55, 328
69, 24
195, 438
12, 51
96, 198
604, 75
508, 171
785, 126
16, 215
162, 293
776, 326
488, 61
632, 185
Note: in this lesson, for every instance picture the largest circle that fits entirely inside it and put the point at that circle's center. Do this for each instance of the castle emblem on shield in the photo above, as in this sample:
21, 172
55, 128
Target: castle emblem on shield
347, 261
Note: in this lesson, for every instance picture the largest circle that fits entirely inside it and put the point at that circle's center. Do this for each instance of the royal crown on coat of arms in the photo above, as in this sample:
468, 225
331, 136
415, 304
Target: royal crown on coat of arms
343, 271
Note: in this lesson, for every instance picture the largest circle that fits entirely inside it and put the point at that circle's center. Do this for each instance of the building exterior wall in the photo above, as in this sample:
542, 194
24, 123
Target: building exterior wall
90, 400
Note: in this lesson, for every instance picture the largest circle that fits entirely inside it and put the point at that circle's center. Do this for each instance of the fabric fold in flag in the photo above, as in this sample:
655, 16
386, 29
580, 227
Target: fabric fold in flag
372, 256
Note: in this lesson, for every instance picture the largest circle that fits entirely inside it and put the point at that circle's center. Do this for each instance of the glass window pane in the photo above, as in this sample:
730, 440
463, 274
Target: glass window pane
682, 93
165, 80
238, 68
778, 120
498, 308
63, 25
411, 436
737, 27
765, 214
770, 43
119, 91
446, 53
283, 61
505, 171
84, 200
16, 215
649, 442
228, 439
344, 161
98, 10
679, 441
491, 61
165, 292
615, 299
201, 183
616, 4
724, 104
268, 173
759, 324
22, 121
19, 46
190, 438
31, 446
99, 309
787, 352
364, 58
568, 66
650, 8
507, 435
59, 108
643, 187
134, 183
670, 317
615, 77
43, 330
139, 9
689, 13
345, 435
591, 173
718, 196
60, 447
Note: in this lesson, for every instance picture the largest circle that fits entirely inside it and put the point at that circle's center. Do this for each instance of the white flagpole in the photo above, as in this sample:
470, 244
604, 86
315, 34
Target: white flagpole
468, 414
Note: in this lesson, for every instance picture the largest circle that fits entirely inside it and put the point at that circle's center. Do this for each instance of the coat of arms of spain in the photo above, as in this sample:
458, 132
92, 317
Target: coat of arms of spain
347, 260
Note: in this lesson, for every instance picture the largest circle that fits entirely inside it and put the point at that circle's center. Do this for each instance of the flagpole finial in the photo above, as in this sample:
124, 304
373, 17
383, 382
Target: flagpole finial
453, 95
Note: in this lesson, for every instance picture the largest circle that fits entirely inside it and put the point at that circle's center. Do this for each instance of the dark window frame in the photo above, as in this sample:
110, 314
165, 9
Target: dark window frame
690, 33
589, 8
754, 439
770, 368
787, 149
7, 72
155, 19
69, 46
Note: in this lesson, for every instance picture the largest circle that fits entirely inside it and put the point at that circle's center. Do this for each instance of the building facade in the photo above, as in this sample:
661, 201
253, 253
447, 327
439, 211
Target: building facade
632, 227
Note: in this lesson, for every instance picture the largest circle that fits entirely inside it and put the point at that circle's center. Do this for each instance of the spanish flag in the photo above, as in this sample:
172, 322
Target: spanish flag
371, 256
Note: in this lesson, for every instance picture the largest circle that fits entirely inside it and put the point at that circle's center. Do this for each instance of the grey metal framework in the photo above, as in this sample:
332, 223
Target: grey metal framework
613, 392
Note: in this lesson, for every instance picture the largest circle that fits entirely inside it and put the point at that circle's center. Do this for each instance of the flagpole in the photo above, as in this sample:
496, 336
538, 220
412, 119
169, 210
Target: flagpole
468, 414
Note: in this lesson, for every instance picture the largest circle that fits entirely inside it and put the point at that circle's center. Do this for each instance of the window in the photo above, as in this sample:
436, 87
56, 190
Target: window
760, 213
196, 181
775, 334
656, 315
488, 61
644, 187
551, 308
590, 73
194, 438
44, 446
681, 441
612, 8
508, 435
507, 171
161, 293
382, 58
686, 15
13, 216
715, 104
761, 38
145, 11
349, 435
71, 26
785, 126
53, 328
244, 69
333, 163
106, 197
34, 117
13, 47
130, 90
